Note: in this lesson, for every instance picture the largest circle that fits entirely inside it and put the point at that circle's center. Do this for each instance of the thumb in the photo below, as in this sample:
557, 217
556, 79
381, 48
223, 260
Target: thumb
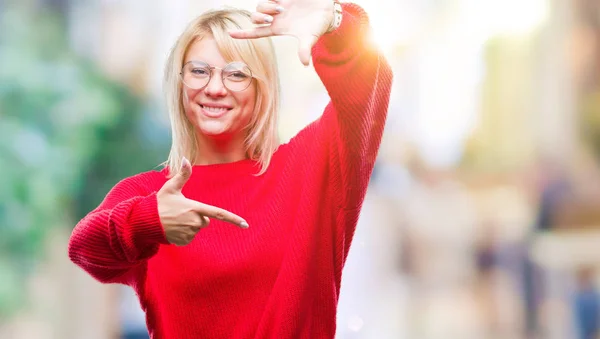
305, 49
179, 180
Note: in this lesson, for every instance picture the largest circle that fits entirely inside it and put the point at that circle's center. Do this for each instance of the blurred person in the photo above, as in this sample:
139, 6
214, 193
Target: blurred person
487, 270
586, 305
277, 272
552, 190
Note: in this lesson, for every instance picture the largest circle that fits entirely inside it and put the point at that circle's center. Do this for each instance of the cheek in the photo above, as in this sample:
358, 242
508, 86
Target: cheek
188, 97
188, 101
247, 110
248, 101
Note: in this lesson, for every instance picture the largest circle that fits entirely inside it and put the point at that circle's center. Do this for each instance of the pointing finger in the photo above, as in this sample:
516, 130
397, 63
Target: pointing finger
253, 33
221, 214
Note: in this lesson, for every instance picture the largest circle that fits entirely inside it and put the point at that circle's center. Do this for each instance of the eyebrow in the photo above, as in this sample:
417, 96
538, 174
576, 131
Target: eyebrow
210, 65
202, 61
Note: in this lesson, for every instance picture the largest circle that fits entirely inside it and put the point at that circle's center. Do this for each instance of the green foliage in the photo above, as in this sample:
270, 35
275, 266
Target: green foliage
67, 134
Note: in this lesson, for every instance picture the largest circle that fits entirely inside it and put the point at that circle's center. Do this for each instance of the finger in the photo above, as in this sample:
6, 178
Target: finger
189, 237
269, 7
305, 49
221, 214
260, 18
203, 222
182, 240
179, 180
254, 33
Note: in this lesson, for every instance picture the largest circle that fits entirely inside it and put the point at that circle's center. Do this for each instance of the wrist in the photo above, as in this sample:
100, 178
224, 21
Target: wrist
336, 20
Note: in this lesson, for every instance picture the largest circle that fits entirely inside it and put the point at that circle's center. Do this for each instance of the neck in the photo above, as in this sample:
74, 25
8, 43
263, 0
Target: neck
220, 150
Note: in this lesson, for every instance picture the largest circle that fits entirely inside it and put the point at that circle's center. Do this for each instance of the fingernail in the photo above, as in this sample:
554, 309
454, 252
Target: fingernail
244, 224
184, 161
268, 18
279, 9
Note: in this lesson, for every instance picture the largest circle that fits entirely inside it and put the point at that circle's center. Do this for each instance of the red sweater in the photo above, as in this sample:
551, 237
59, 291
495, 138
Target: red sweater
281, 277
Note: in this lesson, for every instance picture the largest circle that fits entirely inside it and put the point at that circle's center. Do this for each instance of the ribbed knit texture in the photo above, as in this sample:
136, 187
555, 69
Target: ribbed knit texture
281, 277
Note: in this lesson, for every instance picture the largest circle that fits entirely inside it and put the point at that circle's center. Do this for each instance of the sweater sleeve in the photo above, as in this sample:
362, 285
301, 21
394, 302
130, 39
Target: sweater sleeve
119, 235
358, 80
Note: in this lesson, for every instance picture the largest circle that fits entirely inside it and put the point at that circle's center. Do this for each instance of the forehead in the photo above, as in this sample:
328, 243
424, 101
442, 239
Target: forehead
206, 50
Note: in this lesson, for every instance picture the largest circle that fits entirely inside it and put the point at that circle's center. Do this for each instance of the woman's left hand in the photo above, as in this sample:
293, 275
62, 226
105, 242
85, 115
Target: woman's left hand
306, 20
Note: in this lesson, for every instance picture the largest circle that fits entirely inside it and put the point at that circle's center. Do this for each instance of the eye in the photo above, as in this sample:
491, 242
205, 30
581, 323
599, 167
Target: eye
200, 71
237, 75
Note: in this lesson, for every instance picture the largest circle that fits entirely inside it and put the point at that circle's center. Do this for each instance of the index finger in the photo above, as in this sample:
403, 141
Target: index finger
221, 214
253, 33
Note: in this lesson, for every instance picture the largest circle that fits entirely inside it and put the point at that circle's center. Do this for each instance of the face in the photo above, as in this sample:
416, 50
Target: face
215, 111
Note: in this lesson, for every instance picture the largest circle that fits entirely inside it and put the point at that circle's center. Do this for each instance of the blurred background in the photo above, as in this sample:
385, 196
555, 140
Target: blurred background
483, 215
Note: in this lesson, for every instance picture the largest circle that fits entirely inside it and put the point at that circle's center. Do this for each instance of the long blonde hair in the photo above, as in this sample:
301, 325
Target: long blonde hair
259, 54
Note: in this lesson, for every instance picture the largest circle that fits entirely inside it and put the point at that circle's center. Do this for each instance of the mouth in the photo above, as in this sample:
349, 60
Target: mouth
214, 111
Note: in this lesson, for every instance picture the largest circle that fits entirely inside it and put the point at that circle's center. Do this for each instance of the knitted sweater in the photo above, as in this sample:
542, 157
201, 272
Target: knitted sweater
281, 277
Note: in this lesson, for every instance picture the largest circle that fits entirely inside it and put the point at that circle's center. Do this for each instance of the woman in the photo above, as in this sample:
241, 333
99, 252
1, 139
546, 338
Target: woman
276, 273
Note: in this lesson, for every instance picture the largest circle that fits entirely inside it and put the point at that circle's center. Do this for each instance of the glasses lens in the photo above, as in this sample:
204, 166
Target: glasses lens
236, 76
196, 74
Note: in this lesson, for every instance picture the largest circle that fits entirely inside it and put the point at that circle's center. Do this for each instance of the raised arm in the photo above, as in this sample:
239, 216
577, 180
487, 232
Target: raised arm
354, 73
358, 80
119, 235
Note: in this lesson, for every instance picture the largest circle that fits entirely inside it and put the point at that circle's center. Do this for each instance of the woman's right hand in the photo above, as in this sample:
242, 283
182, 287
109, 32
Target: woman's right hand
181, 217
306, 20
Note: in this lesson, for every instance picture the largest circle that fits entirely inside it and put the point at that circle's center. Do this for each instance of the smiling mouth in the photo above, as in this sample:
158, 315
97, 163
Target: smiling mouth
214, 112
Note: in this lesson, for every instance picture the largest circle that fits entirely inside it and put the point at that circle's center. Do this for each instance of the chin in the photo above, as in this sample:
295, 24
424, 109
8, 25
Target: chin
216, 129
214, 132
224, 127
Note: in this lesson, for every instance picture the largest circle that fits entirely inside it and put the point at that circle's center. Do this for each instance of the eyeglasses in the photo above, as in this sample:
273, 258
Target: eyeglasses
236, 76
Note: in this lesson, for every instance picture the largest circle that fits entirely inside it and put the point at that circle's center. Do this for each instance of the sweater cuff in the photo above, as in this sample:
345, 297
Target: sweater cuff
145, 222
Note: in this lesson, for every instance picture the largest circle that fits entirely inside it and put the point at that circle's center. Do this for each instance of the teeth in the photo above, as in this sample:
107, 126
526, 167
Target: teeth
214, 109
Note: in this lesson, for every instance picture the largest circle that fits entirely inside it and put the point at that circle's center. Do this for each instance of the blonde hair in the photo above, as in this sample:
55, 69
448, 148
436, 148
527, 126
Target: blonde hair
259, 54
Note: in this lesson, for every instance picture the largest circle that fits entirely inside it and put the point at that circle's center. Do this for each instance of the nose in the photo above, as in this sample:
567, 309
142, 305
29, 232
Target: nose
215, 87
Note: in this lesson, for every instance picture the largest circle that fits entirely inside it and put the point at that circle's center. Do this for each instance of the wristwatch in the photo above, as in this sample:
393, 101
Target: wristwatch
337, 17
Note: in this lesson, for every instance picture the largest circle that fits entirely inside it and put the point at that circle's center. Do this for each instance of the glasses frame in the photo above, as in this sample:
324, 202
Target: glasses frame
210, 74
